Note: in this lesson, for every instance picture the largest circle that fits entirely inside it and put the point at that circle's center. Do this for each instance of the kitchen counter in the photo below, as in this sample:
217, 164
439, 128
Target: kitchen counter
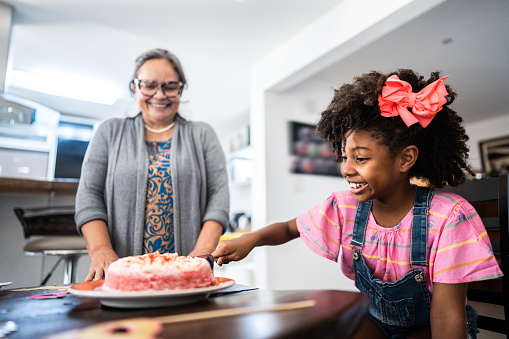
16, 185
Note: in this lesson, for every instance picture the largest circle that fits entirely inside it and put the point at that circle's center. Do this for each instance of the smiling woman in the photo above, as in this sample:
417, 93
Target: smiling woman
154, 182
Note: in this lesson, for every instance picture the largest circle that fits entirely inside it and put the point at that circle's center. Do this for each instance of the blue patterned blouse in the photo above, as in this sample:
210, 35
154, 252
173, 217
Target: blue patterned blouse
159, 231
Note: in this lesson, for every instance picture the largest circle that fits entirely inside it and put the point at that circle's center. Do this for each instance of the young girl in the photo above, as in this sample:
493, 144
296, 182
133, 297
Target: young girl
411, 249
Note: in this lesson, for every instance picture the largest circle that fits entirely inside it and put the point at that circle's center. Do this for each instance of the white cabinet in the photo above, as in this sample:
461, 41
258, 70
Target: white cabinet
27, 164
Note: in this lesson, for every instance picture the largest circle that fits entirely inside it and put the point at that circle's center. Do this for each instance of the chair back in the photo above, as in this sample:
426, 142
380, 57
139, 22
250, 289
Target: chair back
49, 221
490, 199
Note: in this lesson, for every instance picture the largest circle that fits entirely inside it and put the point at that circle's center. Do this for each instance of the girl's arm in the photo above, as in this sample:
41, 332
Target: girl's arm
448, 314
237, 249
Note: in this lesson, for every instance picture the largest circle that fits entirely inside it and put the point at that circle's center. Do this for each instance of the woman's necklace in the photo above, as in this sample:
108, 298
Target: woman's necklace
160, 130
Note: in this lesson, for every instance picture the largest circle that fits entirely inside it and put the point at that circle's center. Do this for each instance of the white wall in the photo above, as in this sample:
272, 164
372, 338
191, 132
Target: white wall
293, 265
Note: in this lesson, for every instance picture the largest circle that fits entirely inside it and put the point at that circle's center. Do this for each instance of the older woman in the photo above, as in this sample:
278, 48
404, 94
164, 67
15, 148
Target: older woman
153, 182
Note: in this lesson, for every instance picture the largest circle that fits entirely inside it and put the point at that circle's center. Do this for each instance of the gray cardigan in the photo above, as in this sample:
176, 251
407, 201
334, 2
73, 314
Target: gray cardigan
113, 182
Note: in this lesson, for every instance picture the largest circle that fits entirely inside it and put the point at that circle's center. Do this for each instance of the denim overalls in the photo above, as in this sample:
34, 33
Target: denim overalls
400, 306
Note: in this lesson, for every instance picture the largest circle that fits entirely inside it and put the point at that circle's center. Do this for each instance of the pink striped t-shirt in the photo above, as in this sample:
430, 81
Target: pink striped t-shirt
459, 249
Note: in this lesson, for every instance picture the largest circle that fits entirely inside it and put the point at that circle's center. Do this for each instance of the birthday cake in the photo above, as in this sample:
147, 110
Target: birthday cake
157, 272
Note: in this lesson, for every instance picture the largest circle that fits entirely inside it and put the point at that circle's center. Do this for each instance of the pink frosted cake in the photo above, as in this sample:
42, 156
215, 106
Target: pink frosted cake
156, 272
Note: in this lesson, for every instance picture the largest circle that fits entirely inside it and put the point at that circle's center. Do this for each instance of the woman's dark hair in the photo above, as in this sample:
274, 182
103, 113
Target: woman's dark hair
443, 150
158, 53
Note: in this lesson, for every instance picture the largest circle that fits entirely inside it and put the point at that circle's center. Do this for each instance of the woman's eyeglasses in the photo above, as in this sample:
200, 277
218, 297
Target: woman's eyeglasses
149, 88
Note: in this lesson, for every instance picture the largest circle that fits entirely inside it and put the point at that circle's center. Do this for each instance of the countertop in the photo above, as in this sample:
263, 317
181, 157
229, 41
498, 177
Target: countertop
17, 185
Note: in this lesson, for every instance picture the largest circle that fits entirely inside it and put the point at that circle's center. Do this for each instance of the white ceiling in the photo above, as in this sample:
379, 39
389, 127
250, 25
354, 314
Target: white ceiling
219, 40
465, 39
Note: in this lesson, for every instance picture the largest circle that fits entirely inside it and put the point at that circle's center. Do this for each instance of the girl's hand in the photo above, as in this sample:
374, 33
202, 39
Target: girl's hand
100, 260
237, 249
234, 249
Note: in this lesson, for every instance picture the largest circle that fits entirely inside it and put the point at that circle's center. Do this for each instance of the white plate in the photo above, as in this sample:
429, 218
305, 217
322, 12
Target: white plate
93, 289
5, 284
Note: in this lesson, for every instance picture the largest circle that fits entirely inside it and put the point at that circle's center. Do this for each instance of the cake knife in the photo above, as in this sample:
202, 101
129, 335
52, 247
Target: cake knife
209, 258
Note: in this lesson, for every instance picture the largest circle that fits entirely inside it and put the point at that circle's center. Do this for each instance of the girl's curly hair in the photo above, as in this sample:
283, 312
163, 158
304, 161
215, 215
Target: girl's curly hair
443, 150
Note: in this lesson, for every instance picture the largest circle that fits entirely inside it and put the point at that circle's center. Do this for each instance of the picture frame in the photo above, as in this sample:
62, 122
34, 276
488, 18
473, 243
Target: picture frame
310, 154
495, 156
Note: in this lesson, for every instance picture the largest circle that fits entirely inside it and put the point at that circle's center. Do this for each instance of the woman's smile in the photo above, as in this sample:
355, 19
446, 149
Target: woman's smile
158, 105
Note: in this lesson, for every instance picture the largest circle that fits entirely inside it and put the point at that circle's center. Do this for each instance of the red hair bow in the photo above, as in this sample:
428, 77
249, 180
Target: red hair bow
397, 97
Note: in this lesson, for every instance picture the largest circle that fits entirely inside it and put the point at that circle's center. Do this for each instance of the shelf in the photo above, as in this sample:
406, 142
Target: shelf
17, 185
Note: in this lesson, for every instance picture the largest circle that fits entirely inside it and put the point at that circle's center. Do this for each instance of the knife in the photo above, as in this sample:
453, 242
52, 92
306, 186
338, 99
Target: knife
209, 258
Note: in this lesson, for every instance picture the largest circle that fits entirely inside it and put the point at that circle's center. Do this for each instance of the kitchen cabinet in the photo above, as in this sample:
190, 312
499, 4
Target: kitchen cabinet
26, 164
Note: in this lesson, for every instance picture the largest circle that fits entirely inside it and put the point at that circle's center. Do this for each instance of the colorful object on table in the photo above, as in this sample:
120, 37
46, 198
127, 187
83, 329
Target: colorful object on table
152, 327
53, 295
88, 285
397, 97
126, 328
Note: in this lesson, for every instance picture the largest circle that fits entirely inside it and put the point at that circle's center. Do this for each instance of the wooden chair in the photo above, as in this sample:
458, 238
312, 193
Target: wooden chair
490, 199
56, 235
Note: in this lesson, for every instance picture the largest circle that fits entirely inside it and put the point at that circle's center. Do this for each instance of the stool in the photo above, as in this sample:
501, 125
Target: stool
58, 236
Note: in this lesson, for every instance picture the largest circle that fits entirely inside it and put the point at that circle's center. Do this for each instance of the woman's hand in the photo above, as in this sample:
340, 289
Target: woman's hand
208, 238
99, 248
234, 249
100, 260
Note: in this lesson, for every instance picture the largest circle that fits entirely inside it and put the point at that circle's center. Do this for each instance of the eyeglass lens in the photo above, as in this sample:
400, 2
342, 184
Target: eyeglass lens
149, 88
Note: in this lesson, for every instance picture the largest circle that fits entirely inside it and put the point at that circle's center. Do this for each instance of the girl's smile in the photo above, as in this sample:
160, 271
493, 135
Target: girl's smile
370, 170
356, 188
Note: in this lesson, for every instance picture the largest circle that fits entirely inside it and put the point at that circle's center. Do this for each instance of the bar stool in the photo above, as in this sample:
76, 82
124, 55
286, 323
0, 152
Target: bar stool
56, 235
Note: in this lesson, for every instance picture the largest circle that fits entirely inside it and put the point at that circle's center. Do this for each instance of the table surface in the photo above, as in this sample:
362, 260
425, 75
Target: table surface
335, 312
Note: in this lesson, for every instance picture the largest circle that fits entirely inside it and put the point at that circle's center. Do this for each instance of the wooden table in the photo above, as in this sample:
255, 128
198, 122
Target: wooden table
335, 314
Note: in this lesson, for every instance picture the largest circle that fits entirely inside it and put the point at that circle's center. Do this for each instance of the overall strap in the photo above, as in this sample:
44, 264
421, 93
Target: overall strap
422, 203
360, 223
